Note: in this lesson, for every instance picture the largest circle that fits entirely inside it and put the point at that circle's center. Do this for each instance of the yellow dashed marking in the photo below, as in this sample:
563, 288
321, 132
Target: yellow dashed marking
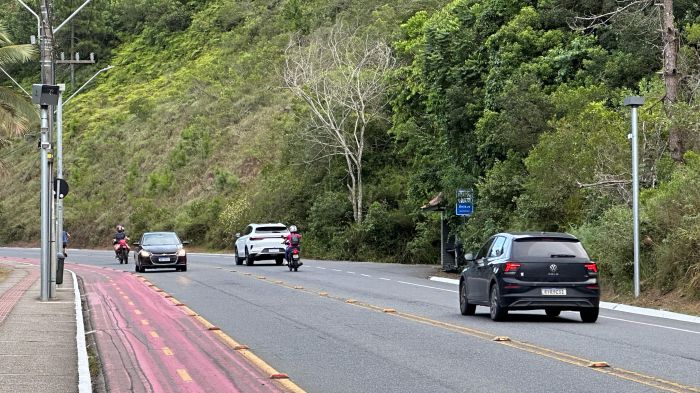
144, 322
600, 366
137, 312
167, 351
184, 375
126, 297
154, 334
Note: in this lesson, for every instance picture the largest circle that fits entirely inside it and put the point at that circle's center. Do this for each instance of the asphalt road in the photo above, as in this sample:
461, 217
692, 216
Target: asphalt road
365, 327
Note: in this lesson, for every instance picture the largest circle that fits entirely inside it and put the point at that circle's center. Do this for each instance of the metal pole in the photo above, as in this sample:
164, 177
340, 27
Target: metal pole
71, 16
59, 163
58, 201
86, 83
45, 204
47, 77
635, 102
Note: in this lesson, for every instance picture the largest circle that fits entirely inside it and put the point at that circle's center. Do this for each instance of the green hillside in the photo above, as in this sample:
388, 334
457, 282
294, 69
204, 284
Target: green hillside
195, 130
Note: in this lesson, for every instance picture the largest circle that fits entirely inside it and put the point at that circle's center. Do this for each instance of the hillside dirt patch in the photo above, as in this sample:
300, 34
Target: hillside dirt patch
675, 301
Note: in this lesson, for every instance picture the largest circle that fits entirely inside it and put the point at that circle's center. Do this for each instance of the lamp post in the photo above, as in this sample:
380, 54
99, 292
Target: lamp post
59, 152
635, 102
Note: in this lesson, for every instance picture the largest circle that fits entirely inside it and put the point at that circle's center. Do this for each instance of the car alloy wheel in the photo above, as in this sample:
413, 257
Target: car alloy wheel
498, 313
464, 307
237, 259
248, 258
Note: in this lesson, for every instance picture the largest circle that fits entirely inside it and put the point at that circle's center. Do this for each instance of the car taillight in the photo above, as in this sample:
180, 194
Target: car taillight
511, 267
591, 267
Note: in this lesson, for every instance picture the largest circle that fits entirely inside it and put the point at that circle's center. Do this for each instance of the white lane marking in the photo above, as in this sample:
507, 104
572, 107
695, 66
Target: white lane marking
652, 324
351, 272
385, 279
365, 275
336, 270
426, 286
319, 267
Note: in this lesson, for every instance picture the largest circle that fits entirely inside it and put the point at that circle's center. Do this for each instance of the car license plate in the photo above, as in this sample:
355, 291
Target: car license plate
554, 291
274, 249
164, 259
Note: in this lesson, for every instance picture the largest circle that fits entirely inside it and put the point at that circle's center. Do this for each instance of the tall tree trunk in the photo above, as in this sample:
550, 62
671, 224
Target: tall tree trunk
670, 45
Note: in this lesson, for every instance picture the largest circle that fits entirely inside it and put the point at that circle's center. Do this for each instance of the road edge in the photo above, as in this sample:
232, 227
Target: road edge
84, 379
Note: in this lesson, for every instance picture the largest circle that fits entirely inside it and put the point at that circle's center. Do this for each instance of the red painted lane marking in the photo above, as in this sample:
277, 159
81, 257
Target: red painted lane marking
209, 363
10, 297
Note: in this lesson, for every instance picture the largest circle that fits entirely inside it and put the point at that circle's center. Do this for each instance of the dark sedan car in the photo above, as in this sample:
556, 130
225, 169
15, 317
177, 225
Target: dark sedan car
528, 271
158, 250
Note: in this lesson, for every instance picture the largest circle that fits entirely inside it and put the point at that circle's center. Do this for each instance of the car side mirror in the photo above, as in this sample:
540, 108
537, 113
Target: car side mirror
469, 256
186, 242
238, 235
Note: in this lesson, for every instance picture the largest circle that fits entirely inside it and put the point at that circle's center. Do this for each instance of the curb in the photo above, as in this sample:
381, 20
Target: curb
84, 379
615, 306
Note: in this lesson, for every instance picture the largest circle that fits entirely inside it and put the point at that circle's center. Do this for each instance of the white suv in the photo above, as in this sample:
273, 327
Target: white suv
260, 241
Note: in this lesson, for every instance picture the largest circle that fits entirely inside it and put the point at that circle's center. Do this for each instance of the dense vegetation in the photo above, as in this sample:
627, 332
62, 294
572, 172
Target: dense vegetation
195, 129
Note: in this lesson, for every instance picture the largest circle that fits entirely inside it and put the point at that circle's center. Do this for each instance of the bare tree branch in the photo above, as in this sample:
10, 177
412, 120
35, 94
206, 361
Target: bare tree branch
341, 77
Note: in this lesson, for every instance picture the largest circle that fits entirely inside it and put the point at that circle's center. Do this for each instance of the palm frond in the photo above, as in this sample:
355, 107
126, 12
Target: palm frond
17, 53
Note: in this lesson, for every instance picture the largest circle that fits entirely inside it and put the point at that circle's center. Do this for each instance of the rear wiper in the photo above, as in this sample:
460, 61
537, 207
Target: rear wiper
562, 256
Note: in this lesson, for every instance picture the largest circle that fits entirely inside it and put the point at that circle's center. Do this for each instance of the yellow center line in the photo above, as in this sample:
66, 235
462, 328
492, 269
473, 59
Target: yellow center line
640, 378
184, 375
144, 322
154, 334
167, 351
137, 312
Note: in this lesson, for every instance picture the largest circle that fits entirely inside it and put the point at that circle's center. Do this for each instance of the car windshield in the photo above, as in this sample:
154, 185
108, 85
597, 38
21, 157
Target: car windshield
548, 248
160, 239
271, 229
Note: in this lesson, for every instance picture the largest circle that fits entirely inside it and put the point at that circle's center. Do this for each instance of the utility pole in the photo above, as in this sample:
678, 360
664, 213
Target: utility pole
47, 78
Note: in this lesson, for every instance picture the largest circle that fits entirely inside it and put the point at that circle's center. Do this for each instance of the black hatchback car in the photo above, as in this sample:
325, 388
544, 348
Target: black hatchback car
528, 271
158, 250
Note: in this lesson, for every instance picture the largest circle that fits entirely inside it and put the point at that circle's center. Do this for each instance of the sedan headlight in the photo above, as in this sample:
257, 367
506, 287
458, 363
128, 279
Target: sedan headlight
145, 253
181, 252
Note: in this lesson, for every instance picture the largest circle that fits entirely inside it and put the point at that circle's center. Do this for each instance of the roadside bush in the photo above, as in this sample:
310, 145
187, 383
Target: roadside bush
674, 211
609, 242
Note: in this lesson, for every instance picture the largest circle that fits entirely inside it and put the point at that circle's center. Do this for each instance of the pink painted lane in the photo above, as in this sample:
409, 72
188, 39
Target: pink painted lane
26, 277
149, 344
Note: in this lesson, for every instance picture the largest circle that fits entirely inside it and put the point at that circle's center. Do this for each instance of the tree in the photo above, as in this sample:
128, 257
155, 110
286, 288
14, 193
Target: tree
340, 75
15, 110
670, 46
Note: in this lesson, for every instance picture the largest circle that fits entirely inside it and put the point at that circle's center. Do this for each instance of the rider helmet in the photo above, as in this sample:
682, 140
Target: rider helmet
120, 228
292, 228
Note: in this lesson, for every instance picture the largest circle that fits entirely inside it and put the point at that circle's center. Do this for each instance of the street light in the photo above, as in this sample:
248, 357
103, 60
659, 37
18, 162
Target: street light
635, 102
88, 81
15, 82
59, 153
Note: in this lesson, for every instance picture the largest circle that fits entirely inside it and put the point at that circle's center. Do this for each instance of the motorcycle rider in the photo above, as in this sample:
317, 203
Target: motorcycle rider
292, 241
120, 235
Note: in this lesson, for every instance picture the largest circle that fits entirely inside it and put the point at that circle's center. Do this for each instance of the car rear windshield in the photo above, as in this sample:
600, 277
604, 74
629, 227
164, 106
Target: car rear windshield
271, 229
548, 248
158, 239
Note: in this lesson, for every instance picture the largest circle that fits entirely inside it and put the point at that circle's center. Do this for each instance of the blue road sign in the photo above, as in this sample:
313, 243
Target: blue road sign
465, 202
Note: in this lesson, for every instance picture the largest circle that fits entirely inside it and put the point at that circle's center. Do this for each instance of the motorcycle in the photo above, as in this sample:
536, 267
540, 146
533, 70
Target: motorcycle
122, 249
295, 260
